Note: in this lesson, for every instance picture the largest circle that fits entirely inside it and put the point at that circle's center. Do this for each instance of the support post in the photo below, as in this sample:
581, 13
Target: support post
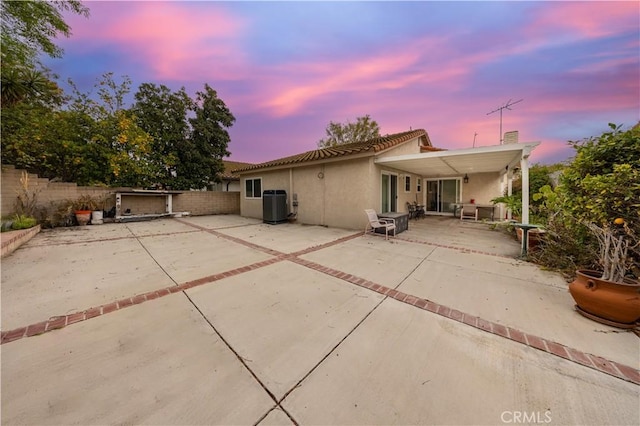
524, 165
170, 203
509, 191
118, 204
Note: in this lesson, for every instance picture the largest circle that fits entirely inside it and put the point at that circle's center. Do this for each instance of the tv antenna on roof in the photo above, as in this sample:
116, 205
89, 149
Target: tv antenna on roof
503, 107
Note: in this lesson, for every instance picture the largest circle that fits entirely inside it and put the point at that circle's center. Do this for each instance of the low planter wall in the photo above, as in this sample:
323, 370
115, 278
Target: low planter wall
11, 240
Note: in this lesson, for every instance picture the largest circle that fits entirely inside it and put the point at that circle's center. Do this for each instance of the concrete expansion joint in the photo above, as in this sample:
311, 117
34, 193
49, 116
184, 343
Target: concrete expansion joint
242, 360
102, 240
597, 363
603, 365
462, 249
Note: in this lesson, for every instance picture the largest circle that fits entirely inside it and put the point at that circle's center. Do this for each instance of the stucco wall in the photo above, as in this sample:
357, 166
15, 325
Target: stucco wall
410, 147
482, 187
252, 207
403, 197
349, 191
331, 194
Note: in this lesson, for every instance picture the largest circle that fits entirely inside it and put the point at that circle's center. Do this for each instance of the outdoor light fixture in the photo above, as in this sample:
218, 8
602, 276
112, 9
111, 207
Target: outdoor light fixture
466, 178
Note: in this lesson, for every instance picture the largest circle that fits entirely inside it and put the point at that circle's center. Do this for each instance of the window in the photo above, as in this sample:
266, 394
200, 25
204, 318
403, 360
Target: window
418, 185
407, 184
253, 188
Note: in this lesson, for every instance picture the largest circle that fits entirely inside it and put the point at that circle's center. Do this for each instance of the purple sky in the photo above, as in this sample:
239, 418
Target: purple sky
285, 69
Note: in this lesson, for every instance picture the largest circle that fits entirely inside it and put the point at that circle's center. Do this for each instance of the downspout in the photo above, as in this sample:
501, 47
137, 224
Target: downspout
290, 197
324, 197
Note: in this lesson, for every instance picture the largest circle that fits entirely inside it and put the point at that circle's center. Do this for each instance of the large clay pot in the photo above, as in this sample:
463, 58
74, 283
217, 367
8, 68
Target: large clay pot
615, 302
83, 217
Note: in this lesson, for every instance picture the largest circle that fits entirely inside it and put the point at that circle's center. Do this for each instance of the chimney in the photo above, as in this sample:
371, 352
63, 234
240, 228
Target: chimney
510, 137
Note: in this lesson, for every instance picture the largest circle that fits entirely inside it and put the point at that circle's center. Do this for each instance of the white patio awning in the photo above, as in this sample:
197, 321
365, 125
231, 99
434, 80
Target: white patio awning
458, 162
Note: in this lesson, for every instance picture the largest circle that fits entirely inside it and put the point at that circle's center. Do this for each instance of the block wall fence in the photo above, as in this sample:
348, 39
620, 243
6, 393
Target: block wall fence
50, 193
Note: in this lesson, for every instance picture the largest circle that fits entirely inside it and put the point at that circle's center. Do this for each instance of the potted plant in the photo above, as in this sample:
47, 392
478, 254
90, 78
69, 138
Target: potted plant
610, 296
97, 214
600, 191
83, 206
511, 202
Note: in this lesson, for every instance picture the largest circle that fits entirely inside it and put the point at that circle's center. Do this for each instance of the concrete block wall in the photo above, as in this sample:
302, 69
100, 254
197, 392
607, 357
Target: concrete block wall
207, 202
51, 193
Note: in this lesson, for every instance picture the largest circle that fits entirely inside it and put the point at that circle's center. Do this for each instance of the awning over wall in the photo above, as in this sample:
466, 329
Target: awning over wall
462, 161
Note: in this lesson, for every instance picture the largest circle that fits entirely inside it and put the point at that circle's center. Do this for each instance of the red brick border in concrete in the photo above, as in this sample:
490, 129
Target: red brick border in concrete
64, 320
597, 363
612, 368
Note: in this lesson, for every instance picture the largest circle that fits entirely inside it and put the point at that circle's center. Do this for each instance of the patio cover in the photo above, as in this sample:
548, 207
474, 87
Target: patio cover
460, 161
499, 158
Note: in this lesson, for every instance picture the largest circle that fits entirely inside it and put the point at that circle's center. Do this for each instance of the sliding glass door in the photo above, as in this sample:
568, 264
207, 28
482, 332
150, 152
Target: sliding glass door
389, 193
442, 195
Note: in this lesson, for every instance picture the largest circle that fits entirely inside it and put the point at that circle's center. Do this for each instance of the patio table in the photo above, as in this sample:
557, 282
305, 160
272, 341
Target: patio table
478, 207
402, 221
526, 227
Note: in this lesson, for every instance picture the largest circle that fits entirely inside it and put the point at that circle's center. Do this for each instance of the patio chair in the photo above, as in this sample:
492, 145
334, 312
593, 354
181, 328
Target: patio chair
377, 223
412, 210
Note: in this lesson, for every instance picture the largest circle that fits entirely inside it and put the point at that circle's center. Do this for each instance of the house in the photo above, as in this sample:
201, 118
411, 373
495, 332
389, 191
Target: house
333, 186
229, 182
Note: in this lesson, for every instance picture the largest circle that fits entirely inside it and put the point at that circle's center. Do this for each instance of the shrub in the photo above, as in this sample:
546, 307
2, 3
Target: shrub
601, 184
23, 222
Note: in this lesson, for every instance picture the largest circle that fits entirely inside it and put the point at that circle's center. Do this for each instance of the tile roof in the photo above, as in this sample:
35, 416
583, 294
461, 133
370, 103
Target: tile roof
429, 148
371, 146
230, 166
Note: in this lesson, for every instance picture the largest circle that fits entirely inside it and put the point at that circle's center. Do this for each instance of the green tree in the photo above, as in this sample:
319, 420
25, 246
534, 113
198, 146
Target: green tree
128, 150
28, 30
600, 185
209, 138
126, 147
163, 115
188, 151
29, 27
603, 181
339, 134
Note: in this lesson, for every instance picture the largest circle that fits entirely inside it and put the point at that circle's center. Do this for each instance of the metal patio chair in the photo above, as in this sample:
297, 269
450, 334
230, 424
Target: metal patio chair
378, 223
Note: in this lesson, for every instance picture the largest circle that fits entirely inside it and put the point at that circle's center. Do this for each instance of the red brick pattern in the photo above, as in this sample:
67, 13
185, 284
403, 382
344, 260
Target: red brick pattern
597, 363
612, 368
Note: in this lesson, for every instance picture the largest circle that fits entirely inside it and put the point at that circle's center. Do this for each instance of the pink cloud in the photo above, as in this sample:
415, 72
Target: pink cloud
173, 40
424, 62
586, 19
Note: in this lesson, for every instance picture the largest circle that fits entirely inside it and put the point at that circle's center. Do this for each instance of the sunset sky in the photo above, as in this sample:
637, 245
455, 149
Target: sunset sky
285, 69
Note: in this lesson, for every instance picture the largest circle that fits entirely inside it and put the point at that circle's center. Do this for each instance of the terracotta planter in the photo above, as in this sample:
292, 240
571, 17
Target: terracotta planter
83, 217
617, 304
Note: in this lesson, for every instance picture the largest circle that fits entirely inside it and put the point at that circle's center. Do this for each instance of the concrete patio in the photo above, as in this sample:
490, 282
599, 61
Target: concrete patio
225, 320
